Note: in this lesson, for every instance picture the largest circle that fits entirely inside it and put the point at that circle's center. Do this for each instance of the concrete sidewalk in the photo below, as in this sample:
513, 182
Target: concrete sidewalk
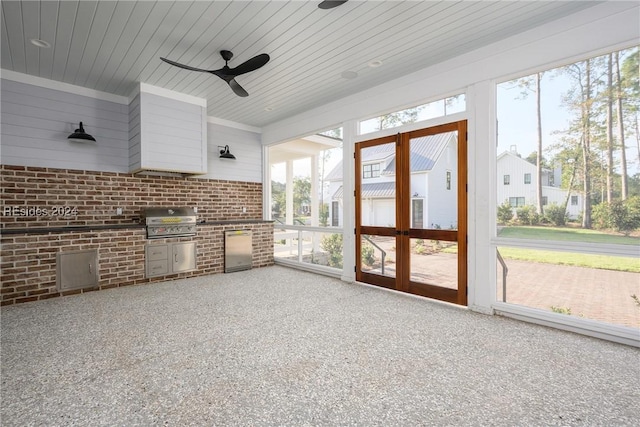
276, 346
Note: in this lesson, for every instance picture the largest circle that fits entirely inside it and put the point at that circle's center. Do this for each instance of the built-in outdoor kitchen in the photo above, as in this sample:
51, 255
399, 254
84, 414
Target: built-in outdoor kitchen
70, 230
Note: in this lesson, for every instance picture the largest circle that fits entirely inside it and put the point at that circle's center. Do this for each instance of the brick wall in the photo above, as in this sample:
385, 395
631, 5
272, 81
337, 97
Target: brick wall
29, 261
45, 197
40, 197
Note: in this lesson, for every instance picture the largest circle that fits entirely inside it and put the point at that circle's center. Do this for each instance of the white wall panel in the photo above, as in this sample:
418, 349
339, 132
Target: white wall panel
243, 144
37, 121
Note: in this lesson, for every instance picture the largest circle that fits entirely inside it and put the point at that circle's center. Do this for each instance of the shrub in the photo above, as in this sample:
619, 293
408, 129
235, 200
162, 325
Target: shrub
600, 216
556, 214
367, 254
333, 245
505, 213
622, 217
527, 215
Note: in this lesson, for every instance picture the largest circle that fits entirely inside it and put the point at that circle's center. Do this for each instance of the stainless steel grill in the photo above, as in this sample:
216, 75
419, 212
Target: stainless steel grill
169, 222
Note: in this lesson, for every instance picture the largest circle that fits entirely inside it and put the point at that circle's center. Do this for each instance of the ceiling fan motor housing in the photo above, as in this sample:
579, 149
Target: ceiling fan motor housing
226, 55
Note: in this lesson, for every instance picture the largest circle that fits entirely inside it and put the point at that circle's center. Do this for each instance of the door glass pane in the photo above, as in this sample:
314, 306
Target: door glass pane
434, 262
378, 255
378, 189
434, 181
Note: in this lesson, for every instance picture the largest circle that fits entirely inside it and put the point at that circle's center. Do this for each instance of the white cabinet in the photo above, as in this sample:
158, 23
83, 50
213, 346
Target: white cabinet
167, 132
170, 258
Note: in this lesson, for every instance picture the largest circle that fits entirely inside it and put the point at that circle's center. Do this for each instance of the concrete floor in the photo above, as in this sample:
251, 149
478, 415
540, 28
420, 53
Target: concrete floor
277, 346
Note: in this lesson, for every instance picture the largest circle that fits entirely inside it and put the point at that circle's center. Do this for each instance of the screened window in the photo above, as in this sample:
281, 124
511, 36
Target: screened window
579, 120
440, 108
506, 179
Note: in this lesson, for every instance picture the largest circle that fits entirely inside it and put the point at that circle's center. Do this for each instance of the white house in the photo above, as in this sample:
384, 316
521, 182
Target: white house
517, 184
433, 184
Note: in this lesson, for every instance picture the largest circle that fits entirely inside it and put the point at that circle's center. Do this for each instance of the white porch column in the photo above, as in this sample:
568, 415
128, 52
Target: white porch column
289, 193
315, 203
349, 133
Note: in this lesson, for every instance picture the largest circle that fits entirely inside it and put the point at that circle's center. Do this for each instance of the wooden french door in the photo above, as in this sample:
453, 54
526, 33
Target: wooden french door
411, 212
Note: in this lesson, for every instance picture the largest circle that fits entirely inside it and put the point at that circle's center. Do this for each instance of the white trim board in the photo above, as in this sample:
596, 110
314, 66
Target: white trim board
166, 93
64, 87
231, 124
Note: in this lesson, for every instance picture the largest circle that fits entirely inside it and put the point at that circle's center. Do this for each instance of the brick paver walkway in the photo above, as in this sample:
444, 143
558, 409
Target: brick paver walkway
596, 294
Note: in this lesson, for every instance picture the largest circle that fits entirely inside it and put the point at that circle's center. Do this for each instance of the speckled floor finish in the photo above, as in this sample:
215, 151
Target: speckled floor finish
276, 346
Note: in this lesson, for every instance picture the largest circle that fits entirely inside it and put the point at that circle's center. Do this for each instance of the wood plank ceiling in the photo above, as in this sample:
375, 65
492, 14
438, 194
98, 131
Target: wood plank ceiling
110, 45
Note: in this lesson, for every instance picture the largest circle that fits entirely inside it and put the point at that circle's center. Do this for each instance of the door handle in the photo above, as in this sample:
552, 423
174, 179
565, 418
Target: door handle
405, 233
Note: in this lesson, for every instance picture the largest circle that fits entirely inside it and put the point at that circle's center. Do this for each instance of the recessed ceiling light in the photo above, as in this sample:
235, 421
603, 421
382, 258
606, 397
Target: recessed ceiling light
40, 43
349, 75
375, 64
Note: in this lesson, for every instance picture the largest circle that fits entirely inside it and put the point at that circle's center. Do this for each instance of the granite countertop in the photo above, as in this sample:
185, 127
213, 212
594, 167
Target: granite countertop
72, 228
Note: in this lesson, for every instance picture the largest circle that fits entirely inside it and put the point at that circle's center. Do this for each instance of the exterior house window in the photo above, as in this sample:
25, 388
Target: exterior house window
527, 178
371, 171
574, 200
551, 180
448, 180
516, 202
335, 214
507, 179
544, 201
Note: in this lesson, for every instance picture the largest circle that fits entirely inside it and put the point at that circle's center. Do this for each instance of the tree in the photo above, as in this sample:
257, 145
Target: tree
580, 99
301, 193
532, 84
628, 106
609, 125
278, 199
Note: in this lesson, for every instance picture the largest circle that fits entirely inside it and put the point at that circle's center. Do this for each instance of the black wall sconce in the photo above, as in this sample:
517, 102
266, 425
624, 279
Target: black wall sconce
224, 152
80, 135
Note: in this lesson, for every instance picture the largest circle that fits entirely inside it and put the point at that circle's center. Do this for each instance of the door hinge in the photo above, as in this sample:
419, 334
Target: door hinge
466, 136
466, 186
354, 230
354, 269
354, 193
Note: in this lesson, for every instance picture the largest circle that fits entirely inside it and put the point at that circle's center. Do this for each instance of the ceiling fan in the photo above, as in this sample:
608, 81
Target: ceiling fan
328, 4
229, 74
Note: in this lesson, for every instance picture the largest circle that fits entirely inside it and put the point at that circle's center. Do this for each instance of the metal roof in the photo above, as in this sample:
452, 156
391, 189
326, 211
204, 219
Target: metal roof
378, 190
425, 151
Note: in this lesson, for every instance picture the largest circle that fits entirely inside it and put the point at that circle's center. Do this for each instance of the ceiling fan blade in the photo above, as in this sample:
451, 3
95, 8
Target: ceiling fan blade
237, 88
328, 4
186, 67
250, 65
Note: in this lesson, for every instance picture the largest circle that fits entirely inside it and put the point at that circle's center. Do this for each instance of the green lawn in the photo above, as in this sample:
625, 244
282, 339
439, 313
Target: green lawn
566, 235
568, 258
